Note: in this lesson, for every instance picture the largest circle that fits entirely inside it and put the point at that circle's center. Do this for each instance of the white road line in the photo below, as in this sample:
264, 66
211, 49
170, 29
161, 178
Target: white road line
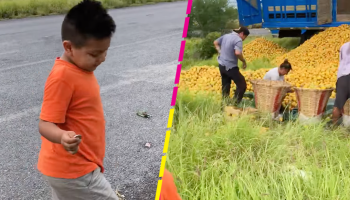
25, 65
31, 111
104, 89
9, 52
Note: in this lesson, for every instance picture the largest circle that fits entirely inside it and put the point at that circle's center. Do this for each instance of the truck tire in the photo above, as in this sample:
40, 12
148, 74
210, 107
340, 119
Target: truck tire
307, 35
303, 38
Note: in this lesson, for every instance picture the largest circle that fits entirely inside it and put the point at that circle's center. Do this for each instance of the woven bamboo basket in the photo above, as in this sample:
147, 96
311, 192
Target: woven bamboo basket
312, 102
347, 108
346, 114
269, 94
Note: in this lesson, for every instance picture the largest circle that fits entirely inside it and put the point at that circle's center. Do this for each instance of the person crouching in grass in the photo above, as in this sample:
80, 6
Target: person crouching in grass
72, 124
277, 74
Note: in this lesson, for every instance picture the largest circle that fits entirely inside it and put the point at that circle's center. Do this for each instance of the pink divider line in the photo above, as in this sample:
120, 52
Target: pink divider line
173, 99
181, 54
182, 50
187, 21
189, 6
178, 72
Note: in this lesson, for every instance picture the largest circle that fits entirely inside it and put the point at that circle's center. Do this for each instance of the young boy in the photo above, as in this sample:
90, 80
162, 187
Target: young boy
169, 190
72, 122
278, 73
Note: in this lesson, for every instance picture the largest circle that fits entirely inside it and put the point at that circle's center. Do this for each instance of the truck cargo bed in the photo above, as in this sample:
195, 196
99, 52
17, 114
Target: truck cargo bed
294, 14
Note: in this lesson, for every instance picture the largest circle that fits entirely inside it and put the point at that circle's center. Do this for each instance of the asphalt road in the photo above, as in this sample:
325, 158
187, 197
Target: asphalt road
259, 32
138, 74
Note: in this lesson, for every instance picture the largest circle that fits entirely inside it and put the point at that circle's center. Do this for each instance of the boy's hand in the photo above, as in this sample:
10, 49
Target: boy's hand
70, 142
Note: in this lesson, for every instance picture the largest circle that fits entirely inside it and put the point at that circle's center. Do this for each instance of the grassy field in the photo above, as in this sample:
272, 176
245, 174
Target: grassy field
24, 8
191, 56
254, 159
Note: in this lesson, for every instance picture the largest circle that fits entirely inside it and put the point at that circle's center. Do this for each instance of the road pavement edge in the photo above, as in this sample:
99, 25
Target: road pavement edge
173, 100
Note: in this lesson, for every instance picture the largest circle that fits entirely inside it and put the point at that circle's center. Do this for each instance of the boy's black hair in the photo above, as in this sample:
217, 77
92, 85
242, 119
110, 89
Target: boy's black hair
286, 65
87, 20
243, 30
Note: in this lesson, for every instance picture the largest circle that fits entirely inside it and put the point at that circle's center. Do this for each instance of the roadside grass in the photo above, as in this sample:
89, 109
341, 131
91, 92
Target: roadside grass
258, 64
191, 55
10, 9
254, 159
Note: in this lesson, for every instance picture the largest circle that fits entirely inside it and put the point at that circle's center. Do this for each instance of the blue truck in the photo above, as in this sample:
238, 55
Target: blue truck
294, 18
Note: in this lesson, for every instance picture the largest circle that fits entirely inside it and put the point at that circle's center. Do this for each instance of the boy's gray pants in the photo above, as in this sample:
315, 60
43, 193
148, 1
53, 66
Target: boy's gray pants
92, 186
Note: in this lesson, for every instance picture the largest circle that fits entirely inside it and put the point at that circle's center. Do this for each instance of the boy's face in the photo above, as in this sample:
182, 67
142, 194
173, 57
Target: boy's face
89, 56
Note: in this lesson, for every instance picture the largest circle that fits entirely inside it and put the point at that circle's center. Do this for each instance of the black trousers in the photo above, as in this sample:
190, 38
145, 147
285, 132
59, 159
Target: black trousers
235, 76
343, 91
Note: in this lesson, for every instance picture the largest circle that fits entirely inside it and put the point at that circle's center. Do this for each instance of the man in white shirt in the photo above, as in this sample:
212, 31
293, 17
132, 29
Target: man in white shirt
278, 73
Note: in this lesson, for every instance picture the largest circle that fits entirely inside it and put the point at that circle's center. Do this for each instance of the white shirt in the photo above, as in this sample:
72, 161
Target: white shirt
273, 75
344, 60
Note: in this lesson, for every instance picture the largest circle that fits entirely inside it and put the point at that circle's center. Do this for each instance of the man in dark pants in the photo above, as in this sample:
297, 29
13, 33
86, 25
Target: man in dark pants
230, 49
343, 83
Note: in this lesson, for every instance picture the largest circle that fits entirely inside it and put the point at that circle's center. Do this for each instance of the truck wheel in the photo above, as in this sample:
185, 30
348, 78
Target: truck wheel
307, 35
303, 38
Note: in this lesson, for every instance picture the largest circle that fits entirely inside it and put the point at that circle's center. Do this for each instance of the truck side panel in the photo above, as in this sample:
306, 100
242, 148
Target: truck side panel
342, 10
324, 12
298, 14
249, 12
290, 11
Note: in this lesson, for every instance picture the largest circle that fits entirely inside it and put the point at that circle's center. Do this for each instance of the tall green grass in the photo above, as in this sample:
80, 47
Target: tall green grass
258, 64
24, 8
212, 159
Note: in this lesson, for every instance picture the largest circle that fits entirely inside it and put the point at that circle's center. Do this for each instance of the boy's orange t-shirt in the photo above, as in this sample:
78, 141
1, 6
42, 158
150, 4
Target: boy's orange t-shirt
72, 101
168, 191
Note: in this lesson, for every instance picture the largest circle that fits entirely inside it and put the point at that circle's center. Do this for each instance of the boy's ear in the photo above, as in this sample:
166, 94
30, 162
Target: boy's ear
67, 45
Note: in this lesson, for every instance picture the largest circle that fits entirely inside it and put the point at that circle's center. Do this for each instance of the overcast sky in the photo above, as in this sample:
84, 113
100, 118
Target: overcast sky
233, 2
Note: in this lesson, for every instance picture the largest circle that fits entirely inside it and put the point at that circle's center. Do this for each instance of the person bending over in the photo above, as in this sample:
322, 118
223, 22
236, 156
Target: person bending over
278, 73
230, 50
